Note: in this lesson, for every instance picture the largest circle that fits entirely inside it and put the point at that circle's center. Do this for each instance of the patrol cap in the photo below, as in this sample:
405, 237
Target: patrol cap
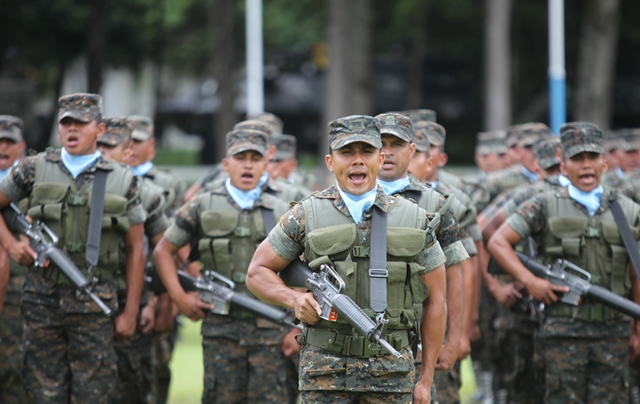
269, 118
578, 137
630, 140
354, 128
420, 137
11, 128
141, 127
529, 133
418, 115
547, 149
434, 132
241, 140
613, 140
285, 147
397, 125
494, 140
117, 130
83, 107
256, 124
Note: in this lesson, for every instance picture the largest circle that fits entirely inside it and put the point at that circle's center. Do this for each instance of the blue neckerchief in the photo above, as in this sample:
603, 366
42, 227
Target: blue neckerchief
77, 164
244, 199
564, 181
393, 187
434, 184
533, 177
263, 179
4, 173
590, 200
142, 169
619, 172
357, 204
482, 175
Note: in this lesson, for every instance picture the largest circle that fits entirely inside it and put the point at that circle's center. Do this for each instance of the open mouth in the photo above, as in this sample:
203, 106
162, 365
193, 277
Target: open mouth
388, 165
587, 179
246, 177
357, 178
72, 141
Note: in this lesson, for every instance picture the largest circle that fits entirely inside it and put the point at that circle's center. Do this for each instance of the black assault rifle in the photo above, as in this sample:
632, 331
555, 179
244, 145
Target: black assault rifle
564, 273
327, 287
218, 290
43, 241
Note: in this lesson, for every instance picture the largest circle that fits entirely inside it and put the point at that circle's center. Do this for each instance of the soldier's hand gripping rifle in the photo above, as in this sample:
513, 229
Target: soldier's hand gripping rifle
564, 273
43, 241
327, 287
218, 290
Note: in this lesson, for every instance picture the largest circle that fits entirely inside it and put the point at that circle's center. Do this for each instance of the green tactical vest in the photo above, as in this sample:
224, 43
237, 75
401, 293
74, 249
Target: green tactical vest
592, 243
331, 234
171, 184
56, 201
228, 237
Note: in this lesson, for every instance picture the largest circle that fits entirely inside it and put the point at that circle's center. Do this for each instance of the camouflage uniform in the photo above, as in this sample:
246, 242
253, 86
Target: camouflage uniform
286, 150
242, 357
11, 331
585, 353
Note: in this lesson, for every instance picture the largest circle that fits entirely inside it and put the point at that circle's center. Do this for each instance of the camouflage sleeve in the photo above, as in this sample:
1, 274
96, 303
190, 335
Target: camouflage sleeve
135, 212
19, 183
530, 218
185, 223
431, 257
156, 224
288, 238
474, 232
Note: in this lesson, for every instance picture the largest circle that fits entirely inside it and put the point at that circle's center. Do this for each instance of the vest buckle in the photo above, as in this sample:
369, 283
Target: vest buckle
76, 200
591, 232
360, 251
74, 247
241, 232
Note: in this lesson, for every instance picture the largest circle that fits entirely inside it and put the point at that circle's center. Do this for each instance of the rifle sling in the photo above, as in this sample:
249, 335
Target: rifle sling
627, 237
412, 194
378, 273
268, 218
95, 218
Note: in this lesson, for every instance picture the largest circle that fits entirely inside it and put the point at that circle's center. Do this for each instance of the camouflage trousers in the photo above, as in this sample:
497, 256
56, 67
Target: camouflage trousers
11, 353
345, 397
162, 350
586, 370
529, 382
504, 353
235, 373
293, 365
481, 350
68, 344
448, 384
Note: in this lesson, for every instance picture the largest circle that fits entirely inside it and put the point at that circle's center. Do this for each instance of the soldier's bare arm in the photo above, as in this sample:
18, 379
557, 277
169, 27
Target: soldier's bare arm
468, 291
4, 276
18, 250
125, 324
263, 281
634, 341
432, 328
493, 224
455, 304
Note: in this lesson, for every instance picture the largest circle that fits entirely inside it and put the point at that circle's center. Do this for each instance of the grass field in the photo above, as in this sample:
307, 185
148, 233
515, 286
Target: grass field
187, 369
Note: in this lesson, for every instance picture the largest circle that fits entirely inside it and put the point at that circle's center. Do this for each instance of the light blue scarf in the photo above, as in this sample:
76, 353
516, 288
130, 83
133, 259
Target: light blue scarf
357, 204
244, 199
142, 169
393, 187
590, 200
619, 172
564, 181
77, 164
434, 184
533, 177
263, 179
4, 173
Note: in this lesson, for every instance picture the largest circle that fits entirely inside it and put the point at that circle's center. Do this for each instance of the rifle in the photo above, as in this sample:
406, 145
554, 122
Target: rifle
43, 241
564, 273
218, 290
332, 300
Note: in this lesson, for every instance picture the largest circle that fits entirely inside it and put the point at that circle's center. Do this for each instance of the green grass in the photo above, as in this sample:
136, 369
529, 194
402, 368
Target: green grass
187, 368
176, 157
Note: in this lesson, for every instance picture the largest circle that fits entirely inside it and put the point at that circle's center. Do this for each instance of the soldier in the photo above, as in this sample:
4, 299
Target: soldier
135, 363
327, 226
243, 355
627, 156
276, 123
68, 341
285, 163
12, 146
587, 348
492, 151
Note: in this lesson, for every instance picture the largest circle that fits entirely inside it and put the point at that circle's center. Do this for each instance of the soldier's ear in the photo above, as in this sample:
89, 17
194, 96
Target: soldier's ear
329, 162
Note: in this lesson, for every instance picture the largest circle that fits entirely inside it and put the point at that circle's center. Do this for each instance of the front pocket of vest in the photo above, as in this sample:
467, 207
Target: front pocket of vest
332, 240
113, 218
617, 259
46, 203
405, 243
567, 233
218, 223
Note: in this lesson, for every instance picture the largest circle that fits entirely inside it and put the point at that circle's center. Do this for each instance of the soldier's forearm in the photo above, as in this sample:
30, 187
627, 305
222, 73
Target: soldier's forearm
163, 258
135, 279
455, 304
4, 276
268, 287
432, 329
468, 292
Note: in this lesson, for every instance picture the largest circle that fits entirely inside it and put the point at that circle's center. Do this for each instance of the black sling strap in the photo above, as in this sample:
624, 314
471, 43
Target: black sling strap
412, 194
268, 218
627, 237
378, 273
95, 218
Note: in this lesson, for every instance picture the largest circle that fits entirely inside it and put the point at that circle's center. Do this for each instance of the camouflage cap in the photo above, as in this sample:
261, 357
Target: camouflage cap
547, 150
631, 140
262, 126
269, 118
434, 132
529, 133
354, 128
141, 127
241, 140
83, 107
11, 128
117, 130
494, 140
285, 147
421, 137
578, 137
419, 115
613, 140
397, 125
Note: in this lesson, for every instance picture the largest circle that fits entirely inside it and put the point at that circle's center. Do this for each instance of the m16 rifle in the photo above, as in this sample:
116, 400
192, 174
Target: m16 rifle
218, 290
43, 241
327, 287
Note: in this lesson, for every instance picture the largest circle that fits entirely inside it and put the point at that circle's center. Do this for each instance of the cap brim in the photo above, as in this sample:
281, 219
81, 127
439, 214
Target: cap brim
396, 133
78, 116
433, 140
340, 143
582, 148
244, 148
547, 163
140, 135
10, 135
